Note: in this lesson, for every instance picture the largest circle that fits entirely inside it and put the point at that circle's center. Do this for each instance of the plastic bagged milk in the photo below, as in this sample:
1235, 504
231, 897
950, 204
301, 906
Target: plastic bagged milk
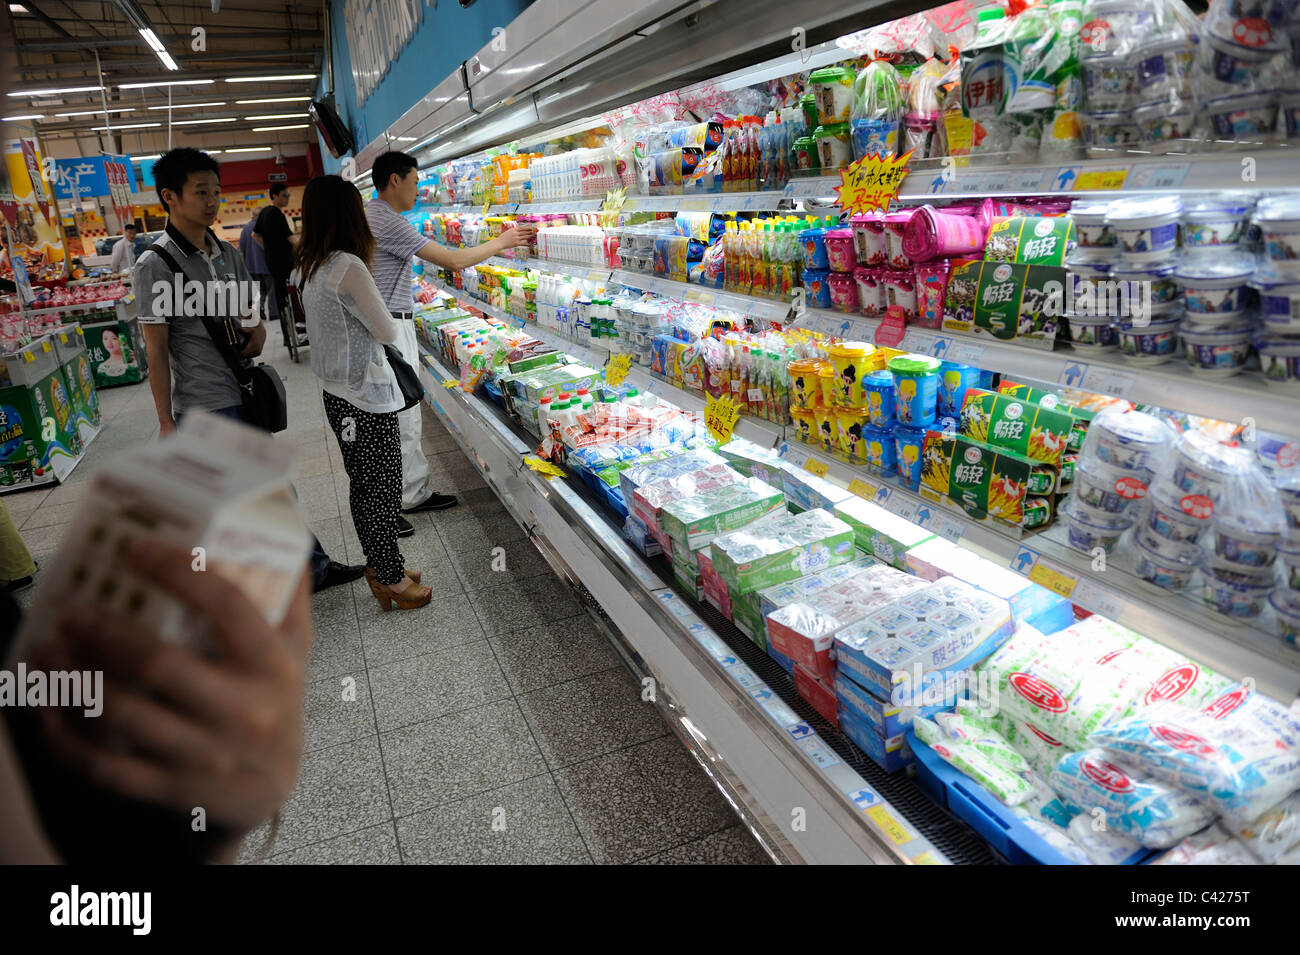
1041, 751
1213, 846
978, 752
1102, 845
1240, 753
1044, 805
1071, 683
1275, 834
1059, 841
1155, 814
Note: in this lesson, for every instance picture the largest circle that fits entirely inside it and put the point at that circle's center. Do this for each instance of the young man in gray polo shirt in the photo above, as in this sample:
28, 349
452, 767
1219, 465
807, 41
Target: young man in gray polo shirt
186, 370
397, 243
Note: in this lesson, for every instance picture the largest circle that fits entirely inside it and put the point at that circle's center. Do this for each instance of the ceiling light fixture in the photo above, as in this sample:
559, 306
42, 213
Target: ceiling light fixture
278, 116
112, 129
57, 91
275, 99
95, 112
250, 149
176, 106
271, 79
146, 158
203, 122
14, 119
142, 86
276, 129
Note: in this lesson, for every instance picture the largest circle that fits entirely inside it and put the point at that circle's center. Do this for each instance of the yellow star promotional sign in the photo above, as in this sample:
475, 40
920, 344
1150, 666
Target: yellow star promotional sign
617, 369
871, 183
544, 467
614, 199
450, 383
720, 417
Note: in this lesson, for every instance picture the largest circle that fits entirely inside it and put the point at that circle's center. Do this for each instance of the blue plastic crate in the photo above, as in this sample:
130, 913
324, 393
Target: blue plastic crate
613, 497
494, 393
985, 813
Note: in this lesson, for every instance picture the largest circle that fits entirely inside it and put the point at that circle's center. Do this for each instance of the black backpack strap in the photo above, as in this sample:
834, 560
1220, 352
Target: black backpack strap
232, 358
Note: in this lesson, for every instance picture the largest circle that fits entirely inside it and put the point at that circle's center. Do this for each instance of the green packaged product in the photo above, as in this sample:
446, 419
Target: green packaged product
771, 553
1029, 240
881, 533
987, 481
1004, 421
694, 521
753, 460
1019, 303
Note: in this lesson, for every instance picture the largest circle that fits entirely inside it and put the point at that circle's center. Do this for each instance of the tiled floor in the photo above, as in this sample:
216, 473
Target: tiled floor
495, 725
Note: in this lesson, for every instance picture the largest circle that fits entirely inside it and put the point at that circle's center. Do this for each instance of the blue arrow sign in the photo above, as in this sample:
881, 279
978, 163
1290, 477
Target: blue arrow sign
784, 449
1024, 559
763, 694
923, 515
844, 329
1074, 373
1065, 177
940, 348
864, 798
882, 495
799, 730
936, 184
728, 661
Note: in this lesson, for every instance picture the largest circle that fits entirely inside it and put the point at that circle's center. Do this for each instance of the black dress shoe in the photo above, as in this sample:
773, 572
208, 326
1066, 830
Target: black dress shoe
22, 583
404, 527
337, 574
434, 502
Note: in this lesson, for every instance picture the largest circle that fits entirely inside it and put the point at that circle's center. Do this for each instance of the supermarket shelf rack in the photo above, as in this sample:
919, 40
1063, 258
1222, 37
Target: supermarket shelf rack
761, 754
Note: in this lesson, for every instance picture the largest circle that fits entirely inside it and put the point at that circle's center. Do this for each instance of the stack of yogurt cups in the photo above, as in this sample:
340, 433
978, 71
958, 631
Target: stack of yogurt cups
1113, 476
1285, 599
1277, 280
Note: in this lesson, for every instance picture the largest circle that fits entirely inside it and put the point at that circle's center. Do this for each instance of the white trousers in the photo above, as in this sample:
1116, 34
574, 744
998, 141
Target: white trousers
415, 466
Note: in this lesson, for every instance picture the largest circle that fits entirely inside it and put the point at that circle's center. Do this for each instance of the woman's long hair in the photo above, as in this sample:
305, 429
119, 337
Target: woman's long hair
333, 220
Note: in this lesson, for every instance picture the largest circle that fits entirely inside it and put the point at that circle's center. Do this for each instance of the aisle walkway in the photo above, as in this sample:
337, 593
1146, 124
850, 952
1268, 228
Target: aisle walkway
495, 725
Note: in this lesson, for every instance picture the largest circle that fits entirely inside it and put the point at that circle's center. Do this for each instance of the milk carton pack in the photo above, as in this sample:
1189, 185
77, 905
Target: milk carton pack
758, 557
806, 491
754, 460
744, 613
695, 520
883, 534
711, 585
819, 696
681, 463
886, 719
220, 491
906, 651
803, 588
889, 753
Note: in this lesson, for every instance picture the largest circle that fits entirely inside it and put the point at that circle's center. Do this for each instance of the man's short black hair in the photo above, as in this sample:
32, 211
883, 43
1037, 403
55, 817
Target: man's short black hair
174, 168
132, 226
277, 188
387, 164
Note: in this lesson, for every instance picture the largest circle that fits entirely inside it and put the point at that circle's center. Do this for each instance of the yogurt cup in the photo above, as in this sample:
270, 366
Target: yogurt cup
932, 234
1279, 359
1288, 492
829, 383
1217, 351
874, 136
833, 147
916, 390
1237, 543
1212, 224
805, 153
931, 286
1091, 228
1288, 617
955, 379
844, 292
1151, 344
871, 291
879, 389
1162, 127
1111, 490
840, 253
881, 454
1160, 276
1163, 516
1278, 218
1106, 133
1162, 69
895, 227
1214, 286
1231, 63
907, 448
1242, 116
832, 89
1238, 599
852, 425
1089, 528
1091, 332
828, 430
1204, 466
1124, 26
805, 383
816, 289
1165, 571
1279, 302
869, 238
805, 425
1108, 81
1289, 559
813, 241
1128, 439
852, 364
1147, 229
900, 290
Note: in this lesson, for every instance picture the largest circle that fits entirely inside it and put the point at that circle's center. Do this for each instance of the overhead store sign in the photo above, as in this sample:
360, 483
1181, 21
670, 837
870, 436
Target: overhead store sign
95, 176
377, 32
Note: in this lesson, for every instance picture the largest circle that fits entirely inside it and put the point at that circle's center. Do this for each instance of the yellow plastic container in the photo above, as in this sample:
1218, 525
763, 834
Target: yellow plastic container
806, 383
851, 421
827, 375
805, 424
828, 430
852, 361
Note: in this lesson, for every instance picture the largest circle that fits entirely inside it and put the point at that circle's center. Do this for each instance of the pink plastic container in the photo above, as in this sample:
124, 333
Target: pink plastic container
931, 283
844, 291
871, 291
840, 250
900, 290
895, 226
932, 234
869, 239
989, 209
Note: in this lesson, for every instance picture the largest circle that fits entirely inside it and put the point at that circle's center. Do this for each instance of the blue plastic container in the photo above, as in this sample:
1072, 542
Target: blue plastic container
907, 447
816, 287
879, 387
916, 390
813, 243
879, 450
954, 381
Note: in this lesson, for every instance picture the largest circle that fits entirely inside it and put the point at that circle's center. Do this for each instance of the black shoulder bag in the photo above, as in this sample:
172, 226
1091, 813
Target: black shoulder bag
408, 379
260, 388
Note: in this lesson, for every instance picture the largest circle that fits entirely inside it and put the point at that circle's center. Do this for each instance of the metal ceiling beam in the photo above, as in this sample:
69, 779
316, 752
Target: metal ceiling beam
211, 57
134, 40
36, 12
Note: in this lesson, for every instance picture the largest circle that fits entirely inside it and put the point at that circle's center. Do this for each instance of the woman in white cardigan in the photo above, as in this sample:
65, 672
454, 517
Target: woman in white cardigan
348, 324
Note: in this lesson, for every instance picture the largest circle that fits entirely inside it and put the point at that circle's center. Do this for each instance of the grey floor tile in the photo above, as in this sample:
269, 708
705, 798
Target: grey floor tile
642, 800
554, 652
457, 755
337, 710
317, 498
484, 563
341, 789
48, 514
314, 466
523, 824
469, 530
68, 493
590, 716
732, 846
376, 845
336, 650
332, 608
444, 623
330, 535
424, 687
475, 504
26, 501
44, 542
515, 605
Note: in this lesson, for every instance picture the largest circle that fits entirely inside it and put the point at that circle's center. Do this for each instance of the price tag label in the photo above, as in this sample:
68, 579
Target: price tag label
862, 489
1158, 176
965, 351
1106, 179
46, 346
1094, 598
1027, 180
755, 395
1053, 580
816, 467
919, 343
63, 337
871, 183
543, 467
597, 275
616, 371
700, 296
695, 204
28, 357
892, 827
720, 417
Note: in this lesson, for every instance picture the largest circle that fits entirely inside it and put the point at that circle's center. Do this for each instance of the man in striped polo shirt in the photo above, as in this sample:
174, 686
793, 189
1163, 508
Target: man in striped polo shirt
397, 243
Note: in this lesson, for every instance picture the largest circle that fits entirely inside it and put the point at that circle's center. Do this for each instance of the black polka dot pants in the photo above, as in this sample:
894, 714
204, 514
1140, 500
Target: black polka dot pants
372, 456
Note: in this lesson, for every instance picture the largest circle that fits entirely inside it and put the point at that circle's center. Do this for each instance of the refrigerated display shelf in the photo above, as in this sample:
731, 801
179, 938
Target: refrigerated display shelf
1171, 385
1113, 590
859, 783
765, 309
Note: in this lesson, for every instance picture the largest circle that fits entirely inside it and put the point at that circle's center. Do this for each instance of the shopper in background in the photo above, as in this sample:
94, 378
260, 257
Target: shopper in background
179, 729
397, 242
124, 250
186, 370
273, 233
17, 569
255, 262
348, 324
